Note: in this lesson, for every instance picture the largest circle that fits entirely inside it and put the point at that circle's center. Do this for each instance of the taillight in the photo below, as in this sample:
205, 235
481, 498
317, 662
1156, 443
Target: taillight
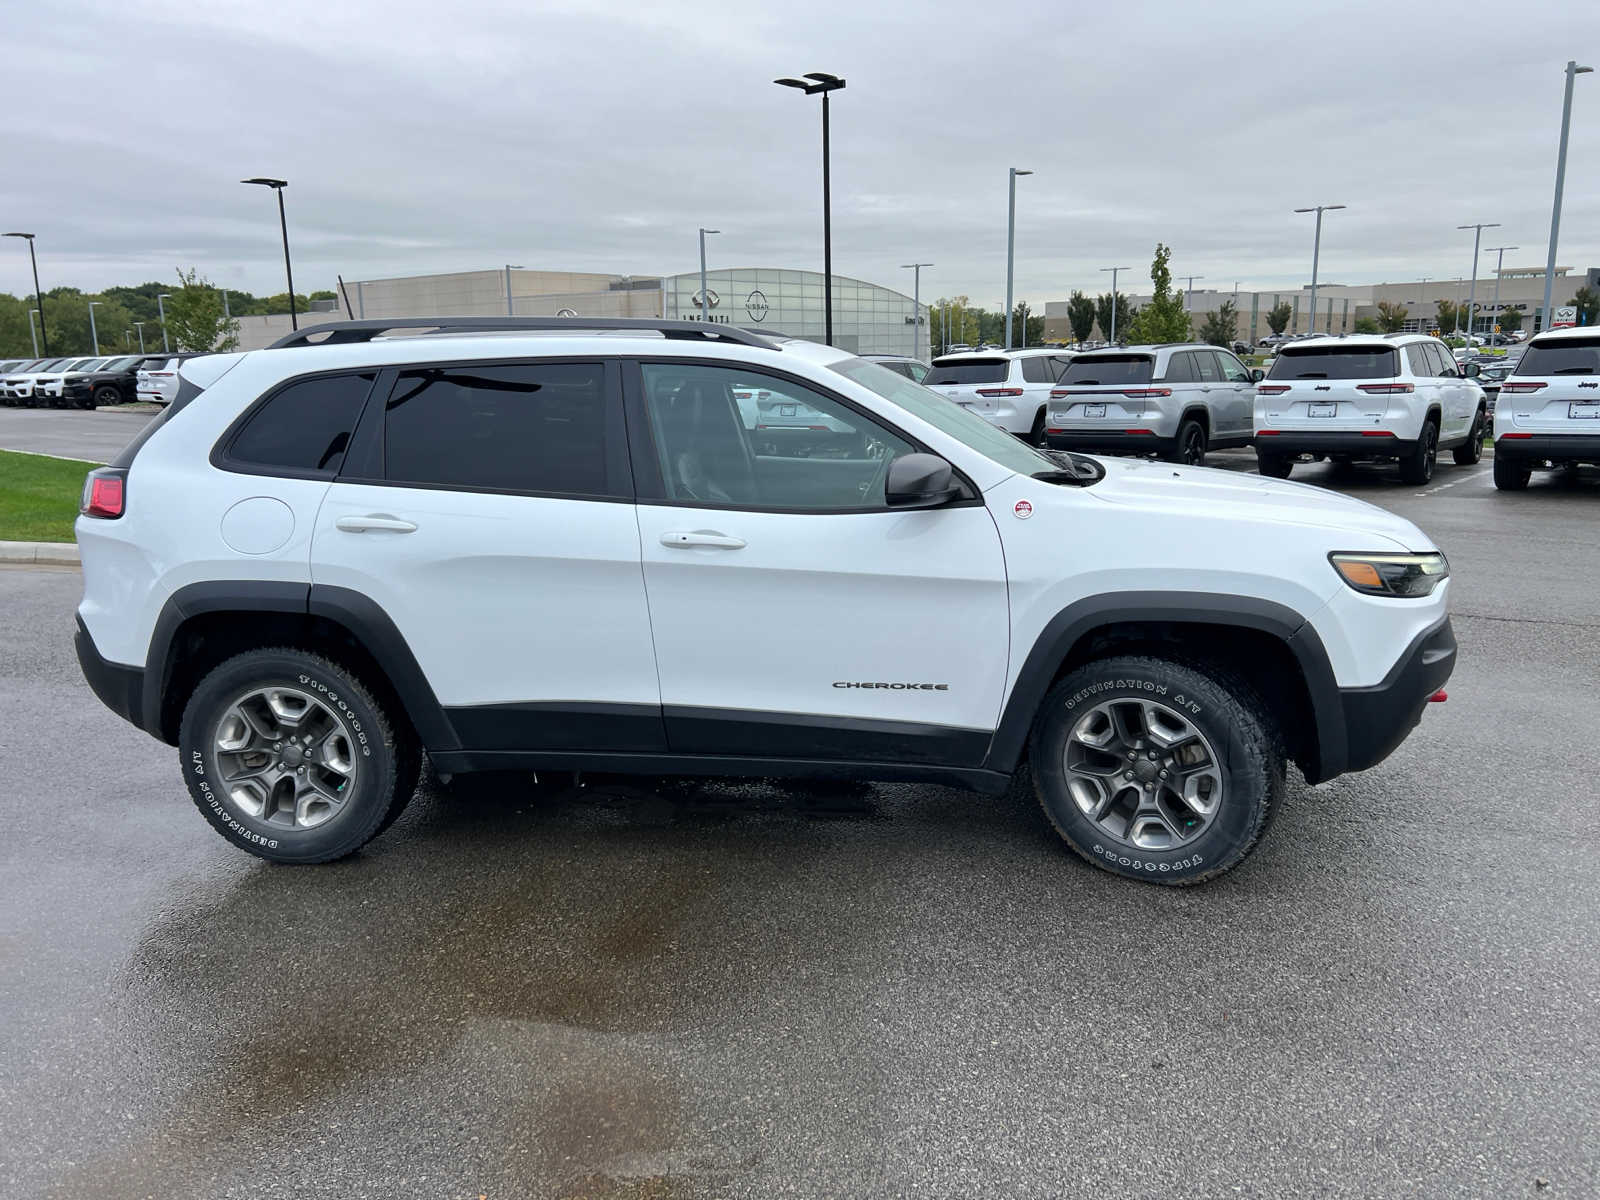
1385, 389
1059, 393
1271, 389
104, 493
999, 391
1514, 388
1146, 393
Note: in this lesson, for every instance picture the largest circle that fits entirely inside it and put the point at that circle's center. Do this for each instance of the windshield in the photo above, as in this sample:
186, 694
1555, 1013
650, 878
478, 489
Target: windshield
1335, 362
966, 427
119, 364
1108, 369
1568, 356
968, 370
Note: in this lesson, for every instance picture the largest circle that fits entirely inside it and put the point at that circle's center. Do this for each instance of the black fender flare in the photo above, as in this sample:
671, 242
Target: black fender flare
363, 618
1077, 620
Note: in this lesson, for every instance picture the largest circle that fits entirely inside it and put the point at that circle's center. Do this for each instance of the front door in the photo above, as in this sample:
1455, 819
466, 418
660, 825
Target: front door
797, 616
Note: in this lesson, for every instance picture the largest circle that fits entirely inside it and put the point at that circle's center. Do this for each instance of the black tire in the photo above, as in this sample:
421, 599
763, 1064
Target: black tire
384, 782
1189, 447
106, 395
1277, 466
1036, 432
1417, 467
1471, 450
1511, 475
1249, 758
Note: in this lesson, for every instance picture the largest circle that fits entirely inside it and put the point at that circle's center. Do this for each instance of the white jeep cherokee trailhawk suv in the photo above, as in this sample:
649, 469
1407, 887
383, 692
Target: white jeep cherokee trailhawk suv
559, 546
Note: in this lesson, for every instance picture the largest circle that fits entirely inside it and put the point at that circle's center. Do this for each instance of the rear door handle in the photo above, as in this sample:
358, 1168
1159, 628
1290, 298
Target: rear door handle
374, 521
682, 539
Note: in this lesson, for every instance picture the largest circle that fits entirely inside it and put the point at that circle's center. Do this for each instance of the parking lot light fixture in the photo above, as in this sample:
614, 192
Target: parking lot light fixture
1111, 335
94, 334
705, 296
916, 305
1316, 253
38, 296
1011, 246
33, 328
139, 325
821, 83
1499, 265
510, 311
1573, 71
278, 185
1189, 280
161, 310
1472, 292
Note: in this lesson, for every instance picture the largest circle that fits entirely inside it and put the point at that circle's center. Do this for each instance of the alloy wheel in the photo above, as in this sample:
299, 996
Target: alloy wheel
284, 758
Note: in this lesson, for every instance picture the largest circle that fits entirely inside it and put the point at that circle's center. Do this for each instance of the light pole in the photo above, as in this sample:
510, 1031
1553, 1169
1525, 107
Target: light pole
161, 310
1316, 253
916, 305
1011, 246
278, 185
44, 334
127, 339
705, 296
1472, 292
1499, 265
33, 328
1573, 71
1456, 297
139, 325
94, 334
1115, 271
510, 311
824, 83
1187, 306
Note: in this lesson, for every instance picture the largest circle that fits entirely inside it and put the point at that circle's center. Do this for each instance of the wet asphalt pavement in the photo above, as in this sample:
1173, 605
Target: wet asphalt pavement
658, 990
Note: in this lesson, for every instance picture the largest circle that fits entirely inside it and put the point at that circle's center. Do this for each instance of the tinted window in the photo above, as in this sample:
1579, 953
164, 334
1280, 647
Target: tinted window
1060, 363
730, 436
1038, 370
1090, 369
1446, 362
531, 427
1569, 356
1180, 369
305, 426
1336, 362
1206, 360
1421, 362
968, 370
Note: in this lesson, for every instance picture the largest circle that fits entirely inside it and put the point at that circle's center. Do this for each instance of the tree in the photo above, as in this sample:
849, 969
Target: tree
1026, 329
1080, 315
194, 316
1587, 302
1279, 316
1220, 328
1450, 314
1126, 311
1510, 318
1163, 319
1391, 316
1366, 325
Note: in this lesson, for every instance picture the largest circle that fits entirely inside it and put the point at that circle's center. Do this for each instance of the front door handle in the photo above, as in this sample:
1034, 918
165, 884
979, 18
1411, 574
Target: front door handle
374, 521
682, 539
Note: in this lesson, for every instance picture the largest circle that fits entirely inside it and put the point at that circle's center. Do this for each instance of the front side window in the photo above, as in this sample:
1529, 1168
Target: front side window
522, 427
1421, 363
1206, 361
740, 438
1233, 370
304, 427
1445, 360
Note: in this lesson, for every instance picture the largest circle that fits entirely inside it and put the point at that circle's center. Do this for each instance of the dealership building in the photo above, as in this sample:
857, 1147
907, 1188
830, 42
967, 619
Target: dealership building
867, 318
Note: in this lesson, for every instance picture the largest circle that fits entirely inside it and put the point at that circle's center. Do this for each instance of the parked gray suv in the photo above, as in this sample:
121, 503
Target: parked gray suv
1176, 401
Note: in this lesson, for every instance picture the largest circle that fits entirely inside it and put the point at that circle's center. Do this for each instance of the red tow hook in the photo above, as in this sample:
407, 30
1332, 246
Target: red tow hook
1438, 697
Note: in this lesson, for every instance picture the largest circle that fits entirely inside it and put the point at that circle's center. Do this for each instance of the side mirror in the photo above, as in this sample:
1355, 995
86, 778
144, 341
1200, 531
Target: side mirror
1257, 375
1470, 371
920, 481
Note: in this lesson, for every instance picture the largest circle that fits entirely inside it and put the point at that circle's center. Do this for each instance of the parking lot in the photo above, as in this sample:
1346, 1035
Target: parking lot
642, 988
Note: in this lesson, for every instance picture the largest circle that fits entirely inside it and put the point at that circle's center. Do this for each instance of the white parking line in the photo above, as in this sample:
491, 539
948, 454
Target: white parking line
1464, 479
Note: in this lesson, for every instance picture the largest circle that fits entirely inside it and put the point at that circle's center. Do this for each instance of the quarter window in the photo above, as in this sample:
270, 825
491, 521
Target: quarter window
1037, 370
304, 427
525, 427
1180, 369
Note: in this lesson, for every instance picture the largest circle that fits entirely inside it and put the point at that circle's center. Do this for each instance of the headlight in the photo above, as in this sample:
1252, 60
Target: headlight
1409, 575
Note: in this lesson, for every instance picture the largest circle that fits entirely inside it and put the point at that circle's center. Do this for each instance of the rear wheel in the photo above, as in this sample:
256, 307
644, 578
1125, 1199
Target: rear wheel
1189, 447
1471, 450
1276, 465
1417, 467
1510, 475
1036, 433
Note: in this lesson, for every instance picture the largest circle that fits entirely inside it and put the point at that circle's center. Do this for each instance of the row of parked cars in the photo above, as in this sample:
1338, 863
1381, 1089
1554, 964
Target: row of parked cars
1397, 398
74, 382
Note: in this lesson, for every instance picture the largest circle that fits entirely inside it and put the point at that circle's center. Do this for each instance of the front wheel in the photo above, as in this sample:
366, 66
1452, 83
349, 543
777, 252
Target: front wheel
1510, 475
1156, 770
107, 395
291, 757
1471, 450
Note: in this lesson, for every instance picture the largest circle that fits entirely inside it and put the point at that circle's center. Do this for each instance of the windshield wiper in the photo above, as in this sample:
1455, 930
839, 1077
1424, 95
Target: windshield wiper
1078, 471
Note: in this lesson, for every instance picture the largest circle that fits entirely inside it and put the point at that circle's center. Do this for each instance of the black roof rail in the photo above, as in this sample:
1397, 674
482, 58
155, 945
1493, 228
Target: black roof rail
344, 332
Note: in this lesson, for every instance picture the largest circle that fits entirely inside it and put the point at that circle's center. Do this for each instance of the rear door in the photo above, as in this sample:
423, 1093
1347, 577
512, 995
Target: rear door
1555, 388
1332, 387
1233, 404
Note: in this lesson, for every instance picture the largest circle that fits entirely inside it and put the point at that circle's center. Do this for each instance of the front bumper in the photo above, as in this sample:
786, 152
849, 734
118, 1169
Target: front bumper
1556, 447
1378, 718
1292, 442
119, 688
1109, 441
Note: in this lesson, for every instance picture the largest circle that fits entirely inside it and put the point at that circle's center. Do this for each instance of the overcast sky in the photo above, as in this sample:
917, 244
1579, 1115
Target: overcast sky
428, 136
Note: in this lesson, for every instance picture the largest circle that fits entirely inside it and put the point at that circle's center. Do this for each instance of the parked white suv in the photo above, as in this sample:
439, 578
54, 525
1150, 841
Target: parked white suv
1548, 414
1177, 401
1364, 399
1007, 388
558, 548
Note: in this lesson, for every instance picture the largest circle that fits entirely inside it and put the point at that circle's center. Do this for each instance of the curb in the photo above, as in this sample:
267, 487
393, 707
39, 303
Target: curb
44, 554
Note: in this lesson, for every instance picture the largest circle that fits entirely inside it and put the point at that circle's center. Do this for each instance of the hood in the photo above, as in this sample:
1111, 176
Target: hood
1234, 495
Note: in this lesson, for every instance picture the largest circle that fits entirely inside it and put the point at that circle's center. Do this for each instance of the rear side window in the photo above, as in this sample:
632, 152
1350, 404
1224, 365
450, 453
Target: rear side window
969, 370
525, 427
1337, 362
1093, 369
304, 427
1421, 364
1569, 356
